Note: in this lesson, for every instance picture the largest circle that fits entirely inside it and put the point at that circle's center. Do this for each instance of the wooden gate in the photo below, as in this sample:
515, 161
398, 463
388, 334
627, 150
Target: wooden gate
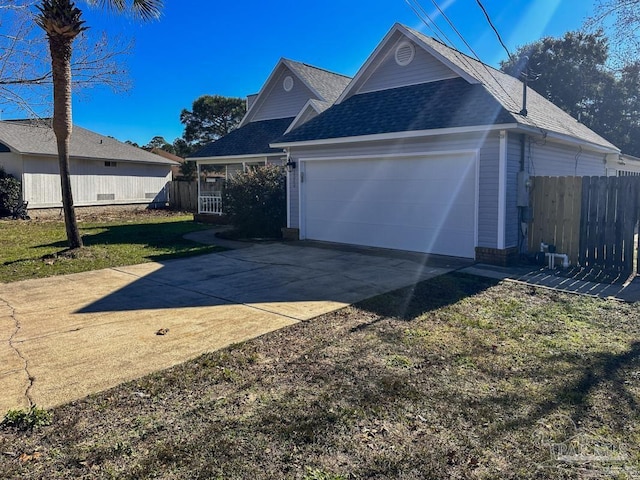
592, 219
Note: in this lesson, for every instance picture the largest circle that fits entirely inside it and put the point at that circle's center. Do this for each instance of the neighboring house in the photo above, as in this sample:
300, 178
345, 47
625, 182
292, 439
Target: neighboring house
293, 93
104, 171
428, 150
175, 169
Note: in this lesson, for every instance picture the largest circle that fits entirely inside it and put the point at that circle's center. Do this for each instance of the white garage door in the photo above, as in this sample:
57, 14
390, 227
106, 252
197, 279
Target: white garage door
425, 204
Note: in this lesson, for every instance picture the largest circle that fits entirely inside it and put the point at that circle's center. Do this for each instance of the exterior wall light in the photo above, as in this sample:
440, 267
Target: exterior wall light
291, 165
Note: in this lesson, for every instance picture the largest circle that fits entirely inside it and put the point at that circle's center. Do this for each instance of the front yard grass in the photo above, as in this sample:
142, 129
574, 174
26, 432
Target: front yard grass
37, 248
457, 377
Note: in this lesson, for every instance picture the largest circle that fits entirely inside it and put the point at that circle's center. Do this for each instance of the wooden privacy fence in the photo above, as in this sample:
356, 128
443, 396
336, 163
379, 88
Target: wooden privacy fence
591, 219
183, 196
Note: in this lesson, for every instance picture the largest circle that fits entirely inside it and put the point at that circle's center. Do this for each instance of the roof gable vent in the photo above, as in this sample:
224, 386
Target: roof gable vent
287, 83
405, 53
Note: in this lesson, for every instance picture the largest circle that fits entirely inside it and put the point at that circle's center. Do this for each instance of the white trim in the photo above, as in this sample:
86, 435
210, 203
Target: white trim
386, 156
373, 61
288, 83
567, 139
502, 190
397, 135
311, 103
233, 159
198, 179
412, 53
302, 162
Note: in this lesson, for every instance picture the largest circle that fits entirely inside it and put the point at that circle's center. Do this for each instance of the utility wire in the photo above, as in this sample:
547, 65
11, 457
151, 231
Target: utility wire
486, 14
451, 24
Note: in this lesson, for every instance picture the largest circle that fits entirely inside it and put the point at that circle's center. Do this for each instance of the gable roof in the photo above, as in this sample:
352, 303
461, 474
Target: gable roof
505, 92
325, 85
426, 106
252, 139
328, 85
36, 137
542, 114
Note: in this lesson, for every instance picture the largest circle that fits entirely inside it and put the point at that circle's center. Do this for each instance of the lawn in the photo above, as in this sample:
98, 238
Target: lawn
457, 377
37, 248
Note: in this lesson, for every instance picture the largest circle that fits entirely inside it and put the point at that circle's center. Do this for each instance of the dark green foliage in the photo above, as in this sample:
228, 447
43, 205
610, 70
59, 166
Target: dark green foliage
573, 73
188, 170
10, 192
26, 419
211, 117
255, 202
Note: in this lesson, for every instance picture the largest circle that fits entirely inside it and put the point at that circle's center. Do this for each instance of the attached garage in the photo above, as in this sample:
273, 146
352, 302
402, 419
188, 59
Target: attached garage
425, 203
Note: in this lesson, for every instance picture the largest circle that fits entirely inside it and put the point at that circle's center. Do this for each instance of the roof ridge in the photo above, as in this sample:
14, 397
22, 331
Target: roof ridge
317, 68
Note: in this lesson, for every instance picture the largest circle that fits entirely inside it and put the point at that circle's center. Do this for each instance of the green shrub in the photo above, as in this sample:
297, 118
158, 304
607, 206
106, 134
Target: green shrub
27, 419
10, 192
255, 202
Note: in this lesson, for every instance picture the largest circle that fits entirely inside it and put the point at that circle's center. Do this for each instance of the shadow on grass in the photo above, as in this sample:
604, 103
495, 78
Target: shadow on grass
412, 302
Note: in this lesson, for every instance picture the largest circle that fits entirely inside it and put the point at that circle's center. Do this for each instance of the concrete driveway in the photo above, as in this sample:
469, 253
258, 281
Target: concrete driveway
66, 337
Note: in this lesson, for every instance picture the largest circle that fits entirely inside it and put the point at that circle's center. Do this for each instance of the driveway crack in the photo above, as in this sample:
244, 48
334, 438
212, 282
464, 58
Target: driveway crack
14, 347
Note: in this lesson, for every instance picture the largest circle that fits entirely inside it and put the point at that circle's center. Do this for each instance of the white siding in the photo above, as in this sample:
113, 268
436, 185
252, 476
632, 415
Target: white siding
278, 103
488, 170
423, 69
93, 183
557, 160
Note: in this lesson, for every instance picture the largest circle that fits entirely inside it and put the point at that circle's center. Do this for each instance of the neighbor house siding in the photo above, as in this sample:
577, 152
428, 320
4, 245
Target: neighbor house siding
93, 183
279, 103
423, 69
11, 163
488, 170
555, 160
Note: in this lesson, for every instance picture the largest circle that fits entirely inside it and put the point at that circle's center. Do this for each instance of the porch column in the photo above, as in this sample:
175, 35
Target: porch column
198, 183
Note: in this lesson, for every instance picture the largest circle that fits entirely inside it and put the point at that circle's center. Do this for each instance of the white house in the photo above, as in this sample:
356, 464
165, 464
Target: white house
429, 150
104, 171
293, 93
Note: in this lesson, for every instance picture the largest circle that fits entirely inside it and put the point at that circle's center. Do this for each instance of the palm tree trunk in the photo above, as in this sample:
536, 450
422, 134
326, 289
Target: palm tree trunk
61, 47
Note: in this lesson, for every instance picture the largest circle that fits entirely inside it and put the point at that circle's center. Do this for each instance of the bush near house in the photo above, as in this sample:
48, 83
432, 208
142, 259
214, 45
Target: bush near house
10, 192
255, 202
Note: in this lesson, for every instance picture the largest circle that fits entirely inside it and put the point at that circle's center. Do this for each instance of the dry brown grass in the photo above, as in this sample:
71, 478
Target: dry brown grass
458, 377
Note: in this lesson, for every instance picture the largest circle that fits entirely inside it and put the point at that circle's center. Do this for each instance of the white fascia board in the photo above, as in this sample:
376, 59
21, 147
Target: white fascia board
356, 80
294, 123
567, 139
397, 135
375, 58
234, 158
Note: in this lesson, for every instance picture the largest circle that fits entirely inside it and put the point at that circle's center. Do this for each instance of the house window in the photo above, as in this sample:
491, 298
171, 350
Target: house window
110, 164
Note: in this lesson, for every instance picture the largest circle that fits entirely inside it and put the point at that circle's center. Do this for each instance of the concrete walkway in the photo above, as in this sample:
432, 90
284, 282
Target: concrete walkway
65, 337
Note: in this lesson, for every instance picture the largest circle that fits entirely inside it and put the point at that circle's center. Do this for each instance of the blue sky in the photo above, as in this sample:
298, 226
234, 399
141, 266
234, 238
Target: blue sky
229, 48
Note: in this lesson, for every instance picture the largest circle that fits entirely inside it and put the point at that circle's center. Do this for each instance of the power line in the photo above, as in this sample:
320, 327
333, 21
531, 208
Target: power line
444, 15
486, 14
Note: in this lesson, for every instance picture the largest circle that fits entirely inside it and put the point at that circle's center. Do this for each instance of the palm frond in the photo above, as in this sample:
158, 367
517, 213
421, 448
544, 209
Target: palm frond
143, 9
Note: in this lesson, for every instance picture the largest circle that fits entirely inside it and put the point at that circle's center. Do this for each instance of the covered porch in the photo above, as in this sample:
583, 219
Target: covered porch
213, 174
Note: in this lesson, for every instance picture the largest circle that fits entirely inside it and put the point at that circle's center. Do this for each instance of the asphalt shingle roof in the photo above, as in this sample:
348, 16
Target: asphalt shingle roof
253, 138
542, 113
444, 104
36, 137
328, 84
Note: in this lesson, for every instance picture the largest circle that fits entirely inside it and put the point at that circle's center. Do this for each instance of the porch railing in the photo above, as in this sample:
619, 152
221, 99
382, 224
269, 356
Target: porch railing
210, 204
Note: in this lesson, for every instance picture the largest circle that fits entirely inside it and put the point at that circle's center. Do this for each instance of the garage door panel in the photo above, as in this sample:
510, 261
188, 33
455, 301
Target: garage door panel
417, 204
